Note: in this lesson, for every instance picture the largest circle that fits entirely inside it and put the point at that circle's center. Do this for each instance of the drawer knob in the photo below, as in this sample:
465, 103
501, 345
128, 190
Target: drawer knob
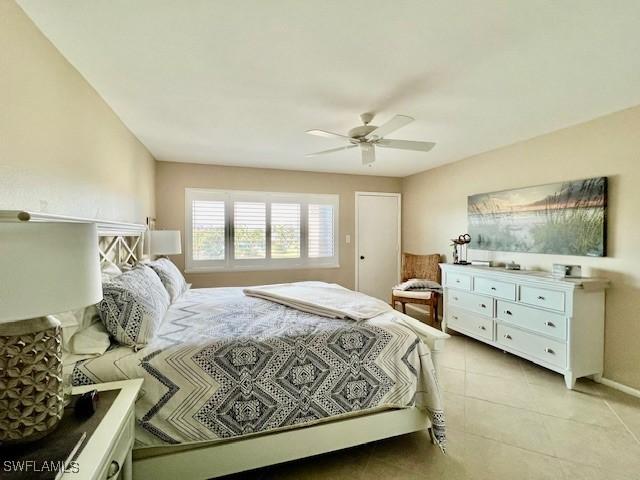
493, 288
482, 327
483, 305
454, 317
507, 336
455, 298
540, 297
457, 281
114, 468
549, 350
508, 312
550, 324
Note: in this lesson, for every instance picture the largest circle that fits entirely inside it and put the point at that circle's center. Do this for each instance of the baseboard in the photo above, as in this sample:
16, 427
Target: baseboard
619, 386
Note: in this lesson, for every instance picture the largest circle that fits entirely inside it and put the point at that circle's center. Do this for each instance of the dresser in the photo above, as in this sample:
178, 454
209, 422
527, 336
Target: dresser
556, 323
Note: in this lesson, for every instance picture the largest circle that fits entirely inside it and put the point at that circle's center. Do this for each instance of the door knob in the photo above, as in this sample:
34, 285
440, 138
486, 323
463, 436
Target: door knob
361, 257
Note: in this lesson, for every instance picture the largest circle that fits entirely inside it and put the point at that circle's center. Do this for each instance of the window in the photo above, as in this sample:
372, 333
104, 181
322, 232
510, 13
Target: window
285, 230
320, 231
237, 230
249, 230
208, 229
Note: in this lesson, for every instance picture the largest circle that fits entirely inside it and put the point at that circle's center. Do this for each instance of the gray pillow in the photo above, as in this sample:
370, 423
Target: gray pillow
170, 276
133, 306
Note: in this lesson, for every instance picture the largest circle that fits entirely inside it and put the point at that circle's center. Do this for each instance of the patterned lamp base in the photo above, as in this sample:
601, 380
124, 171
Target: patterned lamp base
31, 389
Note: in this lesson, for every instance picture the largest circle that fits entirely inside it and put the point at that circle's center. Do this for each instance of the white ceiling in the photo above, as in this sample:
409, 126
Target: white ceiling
238, 82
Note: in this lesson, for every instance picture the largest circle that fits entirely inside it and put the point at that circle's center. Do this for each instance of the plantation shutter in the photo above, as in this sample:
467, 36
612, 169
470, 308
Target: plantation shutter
285, 230
249, 230
233, 230
208, 230
320, 231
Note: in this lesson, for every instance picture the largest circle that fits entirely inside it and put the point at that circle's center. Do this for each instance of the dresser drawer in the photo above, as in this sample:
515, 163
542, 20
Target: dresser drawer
458, 280
494, 288
540, 321
541, 297
542, 348
470, 301
468, 322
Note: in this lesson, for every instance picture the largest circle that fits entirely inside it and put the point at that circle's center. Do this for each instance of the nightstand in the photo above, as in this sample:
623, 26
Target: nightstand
107, 453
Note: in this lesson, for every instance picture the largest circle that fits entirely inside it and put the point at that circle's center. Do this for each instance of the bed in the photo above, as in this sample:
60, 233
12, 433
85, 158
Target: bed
233, 383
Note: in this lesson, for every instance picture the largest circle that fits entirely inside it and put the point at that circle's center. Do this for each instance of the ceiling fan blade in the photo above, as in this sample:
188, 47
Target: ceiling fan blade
368, 153
323, 133
406, 145
330, 151
392, 125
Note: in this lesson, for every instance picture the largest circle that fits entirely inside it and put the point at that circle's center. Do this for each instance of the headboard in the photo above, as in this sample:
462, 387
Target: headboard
118, 242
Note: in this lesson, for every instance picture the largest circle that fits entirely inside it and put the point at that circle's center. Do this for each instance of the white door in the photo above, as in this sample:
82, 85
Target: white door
378, 243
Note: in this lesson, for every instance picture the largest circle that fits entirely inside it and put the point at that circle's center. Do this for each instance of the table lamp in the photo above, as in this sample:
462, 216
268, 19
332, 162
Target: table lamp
165, 242
45, 268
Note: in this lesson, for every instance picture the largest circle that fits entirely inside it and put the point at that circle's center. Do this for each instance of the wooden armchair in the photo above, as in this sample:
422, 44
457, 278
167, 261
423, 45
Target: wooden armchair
419, 266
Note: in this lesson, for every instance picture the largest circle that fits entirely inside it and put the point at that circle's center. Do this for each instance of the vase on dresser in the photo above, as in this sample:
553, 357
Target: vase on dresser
555, 323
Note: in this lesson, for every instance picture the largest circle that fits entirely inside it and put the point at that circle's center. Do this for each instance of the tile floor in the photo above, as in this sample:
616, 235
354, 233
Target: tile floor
507, 419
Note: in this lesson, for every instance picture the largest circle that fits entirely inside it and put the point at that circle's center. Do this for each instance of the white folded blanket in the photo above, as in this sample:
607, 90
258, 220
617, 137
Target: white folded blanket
324, 299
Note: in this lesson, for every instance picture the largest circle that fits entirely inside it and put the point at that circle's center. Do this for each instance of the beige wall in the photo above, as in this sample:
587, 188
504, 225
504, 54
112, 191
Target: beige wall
173, 178
62, 149
435, 210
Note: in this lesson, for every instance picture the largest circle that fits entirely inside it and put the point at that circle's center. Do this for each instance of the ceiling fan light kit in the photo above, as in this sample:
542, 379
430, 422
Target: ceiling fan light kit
367, 136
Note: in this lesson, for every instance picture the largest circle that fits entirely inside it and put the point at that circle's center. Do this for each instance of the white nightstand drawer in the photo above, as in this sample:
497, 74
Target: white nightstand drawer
470, 301
541, 297
467, 322
458, 280
121, 449
541, 321
495, 288
544, 349
107, 453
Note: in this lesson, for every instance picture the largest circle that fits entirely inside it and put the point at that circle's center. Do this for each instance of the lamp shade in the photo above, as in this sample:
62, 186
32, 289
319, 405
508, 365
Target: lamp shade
165, 242
47, 268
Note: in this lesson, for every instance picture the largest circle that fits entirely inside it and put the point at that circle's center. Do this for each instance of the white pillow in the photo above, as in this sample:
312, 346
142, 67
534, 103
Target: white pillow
82, 331
109, 270
418, 284
170, 276
93, 340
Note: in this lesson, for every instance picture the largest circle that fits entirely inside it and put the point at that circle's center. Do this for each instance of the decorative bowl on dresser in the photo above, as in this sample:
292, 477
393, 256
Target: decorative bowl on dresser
556, 323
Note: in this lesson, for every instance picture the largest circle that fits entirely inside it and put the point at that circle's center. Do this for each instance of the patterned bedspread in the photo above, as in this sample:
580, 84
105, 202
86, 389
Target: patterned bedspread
224, 365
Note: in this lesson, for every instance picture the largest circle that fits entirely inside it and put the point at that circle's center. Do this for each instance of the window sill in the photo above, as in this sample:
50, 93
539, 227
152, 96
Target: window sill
260, 268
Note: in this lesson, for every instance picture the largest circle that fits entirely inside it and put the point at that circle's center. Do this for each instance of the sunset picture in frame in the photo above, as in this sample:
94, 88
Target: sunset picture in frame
565, 218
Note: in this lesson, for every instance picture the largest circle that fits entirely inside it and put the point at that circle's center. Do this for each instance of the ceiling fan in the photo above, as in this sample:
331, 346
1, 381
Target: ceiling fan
367, 137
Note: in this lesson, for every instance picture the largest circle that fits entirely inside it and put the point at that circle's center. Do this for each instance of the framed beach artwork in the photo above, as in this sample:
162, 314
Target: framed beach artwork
565, 218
